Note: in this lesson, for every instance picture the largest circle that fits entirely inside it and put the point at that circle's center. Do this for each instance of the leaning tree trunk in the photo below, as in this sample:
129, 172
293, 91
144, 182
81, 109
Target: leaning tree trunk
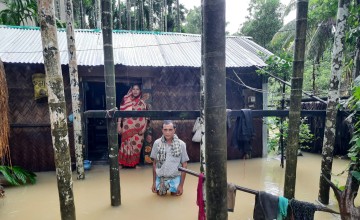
75, 94
215, 109
57, 108
333, 98
110, 92
4, 115
346, 197
295, 99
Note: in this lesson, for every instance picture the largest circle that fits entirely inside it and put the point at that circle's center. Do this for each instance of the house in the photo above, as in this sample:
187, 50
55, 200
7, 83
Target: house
167, 65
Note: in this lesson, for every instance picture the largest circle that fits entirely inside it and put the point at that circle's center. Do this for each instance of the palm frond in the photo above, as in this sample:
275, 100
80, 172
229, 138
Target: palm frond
6, 172
320, 38
23, 175
289, 7
285, 35
17, 175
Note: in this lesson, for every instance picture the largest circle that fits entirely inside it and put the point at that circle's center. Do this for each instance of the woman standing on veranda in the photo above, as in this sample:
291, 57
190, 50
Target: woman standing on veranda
131, 129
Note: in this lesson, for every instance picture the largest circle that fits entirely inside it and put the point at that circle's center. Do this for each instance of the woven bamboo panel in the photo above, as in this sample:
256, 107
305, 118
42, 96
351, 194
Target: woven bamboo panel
176, 91
31, 147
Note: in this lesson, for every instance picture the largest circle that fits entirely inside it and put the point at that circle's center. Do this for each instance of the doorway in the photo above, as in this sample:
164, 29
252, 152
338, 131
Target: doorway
95, 99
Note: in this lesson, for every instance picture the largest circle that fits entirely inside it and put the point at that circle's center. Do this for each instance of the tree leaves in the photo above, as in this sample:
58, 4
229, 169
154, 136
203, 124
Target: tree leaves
17, 175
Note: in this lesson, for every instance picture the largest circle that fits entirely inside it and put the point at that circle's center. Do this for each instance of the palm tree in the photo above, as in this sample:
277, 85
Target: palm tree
109, 75
333, 100
215, 113
57, 109
295, 100
75, 95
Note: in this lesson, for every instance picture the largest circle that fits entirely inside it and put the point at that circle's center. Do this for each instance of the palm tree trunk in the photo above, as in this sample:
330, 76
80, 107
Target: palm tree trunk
333, 98
128, 14
98, 14
119, 15
135, 16
151, 17
110, 92
215, 109
75, 94
178, 24
161, 15
165, 15
82, 15
295, 99
57, 108
141, 6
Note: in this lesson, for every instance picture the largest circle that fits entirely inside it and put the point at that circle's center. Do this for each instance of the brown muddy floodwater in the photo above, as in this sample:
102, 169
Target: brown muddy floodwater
92, 195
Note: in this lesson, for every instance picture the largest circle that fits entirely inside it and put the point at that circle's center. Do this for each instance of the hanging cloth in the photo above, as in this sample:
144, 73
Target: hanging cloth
200, 198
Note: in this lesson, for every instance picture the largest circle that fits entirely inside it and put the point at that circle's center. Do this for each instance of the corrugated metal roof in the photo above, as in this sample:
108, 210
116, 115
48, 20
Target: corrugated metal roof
131, 48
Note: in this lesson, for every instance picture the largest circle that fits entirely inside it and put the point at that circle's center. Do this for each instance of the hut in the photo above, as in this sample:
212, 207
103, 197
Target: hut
167, 65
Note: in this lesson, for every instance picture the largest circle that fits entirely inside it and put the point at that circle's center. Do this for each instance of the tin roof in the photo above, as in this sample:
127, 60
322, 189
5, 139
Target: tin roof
131, 48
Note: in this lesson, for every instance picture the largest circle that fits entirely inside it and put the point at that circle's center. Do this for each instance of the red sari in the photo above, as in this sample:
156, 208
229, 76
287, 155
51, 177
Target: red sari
131, 140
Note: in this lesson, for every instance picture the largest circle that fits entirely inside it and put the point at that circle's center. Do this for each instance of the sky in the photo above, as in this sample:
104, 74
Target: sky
236, 11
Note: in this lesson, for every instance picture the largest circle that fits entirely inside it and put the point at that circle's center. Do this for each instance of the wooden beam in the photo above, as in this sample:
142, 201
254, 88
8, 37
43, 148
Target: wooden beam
183, 115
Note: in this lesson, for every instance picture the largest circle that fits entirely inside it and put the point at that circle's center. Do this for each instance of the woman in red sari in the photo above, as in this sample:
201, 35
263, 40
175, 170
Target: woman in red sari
131, 129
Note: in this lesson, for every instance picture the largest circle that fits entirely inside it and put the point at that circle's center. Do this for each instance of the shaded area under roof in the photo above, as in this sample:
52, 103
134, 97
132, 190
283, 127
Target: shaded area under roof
131, 48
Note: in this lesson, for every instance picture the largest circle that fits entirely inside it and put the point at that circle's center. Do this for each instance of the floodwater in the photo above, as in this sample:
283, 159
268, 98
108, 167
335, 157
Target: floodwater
92, 195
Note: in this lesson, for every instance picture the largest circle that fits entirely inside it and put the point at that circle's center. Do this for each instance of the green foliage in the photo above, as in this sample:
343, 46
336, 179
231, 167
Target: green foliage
353, 105
193, 21
16, 175
264, 20
356, 174
320, 72
281, 67
275, 126
17, 12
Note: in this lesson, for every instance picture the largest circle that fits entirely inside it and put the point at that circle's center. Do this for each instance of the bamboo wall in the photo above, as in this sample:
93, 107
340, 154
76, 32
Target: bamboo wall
30, 133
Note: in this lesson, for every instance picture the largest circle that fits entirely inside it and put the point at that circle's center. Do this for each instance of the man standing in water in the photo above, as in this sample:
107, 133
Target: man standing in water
168, 153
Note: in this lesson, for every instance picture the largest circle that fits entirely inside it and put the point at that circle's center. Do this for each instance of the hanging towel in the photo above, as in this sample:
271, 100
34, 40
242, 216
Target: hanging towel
266, 206
231, 194
283, 206
200, 198
302, 210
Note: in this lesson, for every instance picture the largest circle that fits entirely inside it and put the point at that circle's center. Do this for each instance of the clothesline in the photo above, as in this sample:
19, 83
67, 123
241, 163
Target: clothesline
255, 192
